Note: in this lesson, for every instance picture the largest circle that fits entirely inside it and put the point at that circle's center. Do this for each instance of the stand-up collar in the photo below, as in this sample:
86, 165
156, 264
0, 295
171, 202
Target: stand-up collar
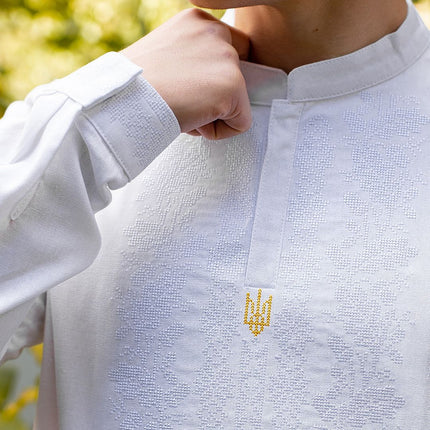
347, 74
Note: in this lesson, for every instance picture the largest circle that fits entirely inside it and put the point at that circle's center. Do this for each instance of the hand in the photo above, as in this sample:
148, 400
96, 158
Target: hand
192, 61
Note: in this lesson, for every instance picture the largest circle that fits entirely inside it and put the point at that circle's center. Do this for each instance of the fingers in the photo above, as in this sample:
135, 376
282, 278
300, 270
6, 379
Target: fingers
223, 129
240, 118
232, 123
193, 133
216, 130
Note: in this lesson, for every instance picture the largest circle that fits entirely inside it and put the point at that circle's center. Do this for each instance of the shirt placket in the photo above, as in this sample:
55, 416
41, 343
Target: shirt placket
273, 195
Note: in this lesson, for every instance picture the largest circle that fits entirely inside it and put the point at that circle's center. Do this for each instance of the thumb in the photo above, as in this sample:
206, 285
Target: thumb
236, 122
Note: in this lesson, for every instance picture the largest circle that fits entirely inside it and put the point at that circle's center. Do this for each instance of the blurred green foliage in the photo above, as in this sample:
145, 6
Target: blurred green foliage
11, 409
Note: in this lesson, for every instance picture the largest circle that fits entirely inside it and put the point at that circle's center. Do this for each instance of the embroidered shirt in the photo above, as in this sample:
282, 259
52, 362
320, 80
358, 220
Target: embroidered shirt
275, 280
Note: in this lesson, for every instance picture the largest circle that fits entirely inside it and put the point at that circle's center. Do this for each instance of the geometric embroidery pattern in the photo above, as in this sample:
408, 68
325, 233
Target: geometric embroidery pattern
341, 278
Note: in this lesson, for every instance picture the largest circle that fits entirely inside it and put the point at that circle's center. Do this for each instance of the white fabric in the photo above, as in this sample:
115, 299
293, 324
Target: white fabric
323, 206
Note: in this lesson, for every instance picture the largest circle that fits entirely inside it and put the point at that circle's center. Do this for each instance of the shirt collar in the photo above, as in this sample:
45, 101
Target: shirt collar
369, 66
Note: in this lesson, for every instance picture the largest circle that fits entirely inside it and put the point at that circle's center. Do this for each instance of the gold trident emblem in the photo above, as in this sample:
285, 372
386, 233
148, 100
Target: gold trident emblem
257, 316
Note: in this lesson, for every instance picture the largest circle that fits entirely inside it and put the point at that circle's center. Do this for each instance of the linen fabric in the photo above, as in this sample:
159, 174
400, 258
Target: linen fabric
275, 280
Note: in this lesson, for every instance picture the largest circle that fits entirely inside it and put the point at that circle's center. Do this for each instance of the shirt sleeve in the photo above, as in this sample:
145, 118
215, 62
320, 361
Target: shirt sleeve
62, 150
30, 331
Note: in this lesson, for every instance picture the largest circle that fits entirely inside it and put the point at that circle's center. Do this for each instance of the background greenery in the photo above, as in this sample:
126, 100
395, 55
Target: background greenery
41, 40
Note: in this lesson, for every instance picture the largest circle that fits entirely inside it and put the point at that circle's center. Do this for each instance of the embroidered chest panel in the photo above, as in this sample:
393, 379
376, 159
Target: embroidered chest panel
325, 348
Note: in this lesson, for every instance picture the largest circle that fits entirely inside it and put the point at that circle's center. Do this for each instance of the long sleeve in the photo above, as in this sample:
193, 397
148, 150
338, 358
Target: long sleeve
61, 151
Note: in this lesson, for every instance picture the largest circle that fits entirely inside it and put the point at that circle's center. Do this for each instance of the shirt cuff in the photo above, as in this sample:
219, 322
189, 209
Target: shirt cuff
136, 124
127, 112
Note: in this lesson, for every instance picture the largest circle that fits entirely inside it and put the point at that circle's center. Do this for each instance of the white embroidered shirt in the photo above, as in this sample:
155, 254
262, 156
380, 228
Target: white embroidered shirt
276, 280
